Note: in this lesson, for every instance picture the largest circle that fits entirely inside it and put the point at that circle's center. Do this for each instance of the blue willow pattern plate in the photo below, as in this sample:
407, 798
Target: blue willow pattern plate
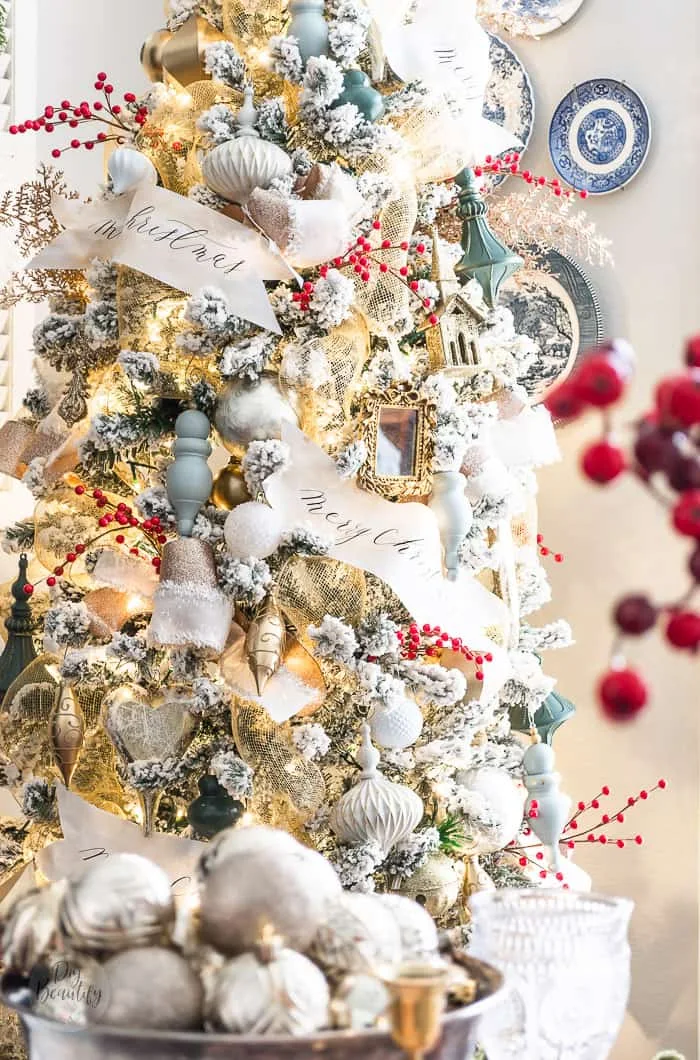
599, 136
541, 16
509, 99
557, 307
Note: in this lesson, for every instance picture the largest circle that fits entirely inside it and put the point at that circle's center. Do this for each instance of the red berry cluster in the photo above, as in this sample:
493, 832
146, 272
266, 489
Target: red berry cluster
72, 115
544, 550
665, 457
303, 297
578, 831
509, 164
111, 518
430, 642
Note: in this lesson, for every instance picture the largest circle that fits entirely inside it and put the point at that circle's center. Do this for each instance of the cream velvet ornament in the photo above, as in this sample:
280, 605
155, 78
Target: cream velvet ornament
236, 168
253, 529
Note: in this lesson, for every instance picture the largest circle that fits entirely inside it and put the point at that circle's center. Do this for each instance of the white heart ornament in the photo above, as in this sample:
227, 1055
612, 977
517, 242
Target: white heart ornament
141, 730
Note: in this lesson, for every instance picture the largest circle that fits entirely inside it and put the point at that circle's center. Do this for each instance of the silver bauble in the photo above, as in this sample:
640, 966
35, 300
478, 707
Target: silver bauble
149, 989
283, 994
356, 936
247, 412
117, 904
419, 935
285, 890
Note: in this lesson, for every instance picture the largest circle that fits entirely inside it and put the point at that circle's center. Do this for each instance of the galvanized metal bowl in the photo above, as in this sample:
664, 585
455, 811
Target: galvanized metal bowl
48, 1039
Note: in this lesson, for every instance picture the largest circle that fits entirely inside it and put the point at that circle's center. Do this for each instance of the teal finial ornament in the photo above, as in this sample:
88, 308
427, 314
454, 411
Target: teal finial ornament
19, 650
550, 813
485, 258
309, 28
188, 478
359, 90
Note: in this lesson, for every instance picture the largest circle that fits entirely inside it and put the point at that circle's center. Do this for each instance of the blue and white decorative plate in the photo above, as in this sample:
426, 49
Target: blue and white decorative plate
540, 16
599, 136
509, 98
556, 306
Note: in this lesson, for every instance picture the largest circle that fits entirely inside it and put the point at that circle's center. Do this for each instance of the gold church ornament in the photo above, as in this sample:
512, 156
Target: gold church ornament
397, 428
453, 341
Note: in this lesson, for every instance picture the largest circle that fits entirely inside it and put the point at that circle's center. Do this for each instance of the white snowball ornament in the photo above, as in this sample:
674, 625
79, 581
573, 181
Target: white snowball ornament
503, 798
247, 412
356, 936
272, 991
286, 890
128, 169
253, 529
397, 726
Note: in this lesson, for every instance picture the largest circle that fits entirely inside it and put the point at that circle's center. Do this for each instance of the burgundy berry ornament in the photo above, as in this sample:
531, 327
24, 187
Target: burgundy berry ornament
635, 615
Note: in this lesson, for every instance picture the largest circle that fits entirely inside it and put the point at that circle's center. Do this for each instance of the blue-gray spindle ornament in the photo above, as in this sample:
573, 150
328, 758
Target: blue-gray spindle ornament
551, 813
309, 27
359, 90
189, 479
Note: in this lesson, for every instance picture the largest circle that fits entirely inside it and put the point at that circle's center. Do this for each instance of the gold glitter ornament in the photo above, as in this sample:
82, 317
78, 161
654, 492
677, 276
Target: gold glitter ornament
67, 731
265, 641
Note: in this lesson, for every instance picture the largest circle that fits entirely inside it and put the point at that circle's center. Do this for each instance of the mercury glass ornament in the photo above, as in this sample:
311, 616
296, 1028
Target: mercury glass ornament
375, 809
236, 168
248, 412
117, 904
419, 936
271, 991
150, 988
213, 810
356, 936
566, 958
285, 888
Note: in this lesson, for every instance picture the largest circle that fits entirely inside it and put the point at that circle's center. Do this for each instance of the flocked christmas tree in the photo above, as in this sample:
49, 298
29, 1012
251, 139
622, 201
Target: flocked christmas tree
285, 544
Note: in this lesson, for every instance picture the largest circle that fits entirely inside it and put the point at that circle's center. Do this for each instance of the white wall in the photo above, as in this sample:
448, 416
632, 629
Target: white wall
615, 540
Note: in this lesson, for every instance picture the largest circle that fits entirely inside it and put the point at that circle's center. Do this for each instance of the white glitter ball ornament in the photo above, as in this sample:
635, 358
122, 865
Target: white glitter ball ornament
286, 890
272, 991
419, 935
397, 726
356, 936
253, 529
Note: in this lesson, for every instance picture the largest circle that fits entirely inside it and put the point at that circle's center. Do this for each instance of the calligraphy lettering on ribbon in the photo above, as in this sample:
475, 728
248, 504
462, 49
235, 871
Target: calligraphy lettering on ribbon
177, 241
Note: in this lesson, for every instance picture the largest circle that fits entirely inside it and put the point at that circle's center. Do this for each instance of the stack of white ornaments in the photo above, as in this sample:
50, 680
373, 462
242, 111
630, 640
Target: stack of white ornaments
275, 946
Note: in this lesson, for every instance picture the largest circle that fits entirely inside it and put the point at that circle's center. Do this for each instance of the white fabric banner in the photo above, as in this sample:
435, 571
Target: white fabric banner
175, 240
90, 834
400, 543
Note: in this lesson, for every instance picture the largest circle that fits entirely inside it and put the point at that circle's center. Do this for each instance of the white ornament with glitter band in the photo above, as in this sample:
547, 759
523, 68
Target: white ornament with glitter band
375, 809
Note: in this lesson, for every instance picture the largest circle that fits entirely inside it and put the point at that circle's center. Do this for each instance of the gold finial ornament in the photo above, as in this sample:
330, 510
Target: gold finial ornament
265, 641
418, 995
67, 732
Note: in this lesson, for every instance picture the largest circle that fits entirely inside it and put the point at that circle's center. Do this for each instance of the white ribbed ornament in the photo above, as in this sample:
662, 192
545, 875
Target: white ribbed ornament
397, 726
236, 168
375, 809
281, 992
128, 169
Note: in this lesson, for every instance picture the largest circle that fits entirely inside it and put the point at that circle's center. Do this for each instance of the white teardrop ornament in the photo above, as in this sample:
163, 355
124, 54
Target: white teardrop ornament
128, 169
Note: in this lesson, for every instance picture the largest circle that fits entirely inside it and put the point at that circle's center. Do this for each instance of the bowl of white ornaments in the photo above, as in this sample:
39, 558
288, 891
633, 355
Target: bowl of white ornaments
270, 960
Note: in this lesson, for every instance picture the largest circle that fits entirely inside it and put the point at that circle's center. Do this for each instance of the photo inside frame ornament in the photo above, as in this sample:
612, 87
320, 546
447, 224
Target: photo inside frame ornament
398, 432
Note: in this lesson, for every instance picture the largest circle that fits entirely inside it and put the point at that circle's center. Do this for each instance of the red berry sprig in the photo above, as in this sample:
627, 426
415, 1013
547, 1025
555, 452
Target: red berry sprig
509, 165
431, 641
574, 834
111, 518
544, 550
74, 115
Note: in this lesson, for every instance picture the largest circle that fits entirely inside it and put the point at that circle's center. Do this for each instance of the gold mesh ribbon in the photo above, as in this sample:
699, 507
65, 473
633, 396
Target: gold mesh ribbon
346, 348
433, 137
310, 587
150, 314
524, 526
285, 782
384, 300
251, 23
